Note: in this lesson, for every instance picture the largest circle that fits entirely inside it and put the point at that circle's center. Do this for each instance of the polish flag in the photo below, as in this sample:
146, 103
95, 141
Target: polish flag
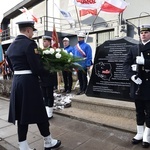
34, 18
84, 12
114, 6
22, 10
28, 14
55, 40
89, 4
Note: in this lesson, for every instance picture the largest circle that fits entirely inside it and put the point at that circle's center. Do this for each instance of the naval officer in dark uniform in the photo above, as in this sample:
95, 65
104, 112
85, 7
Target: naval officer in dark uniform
140, 85
47, 82
26, 101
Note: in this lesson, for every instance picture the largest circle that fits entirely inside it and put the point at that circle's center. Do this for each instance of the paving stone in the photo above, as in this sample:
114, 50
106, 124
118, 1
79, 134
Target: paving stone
75, 133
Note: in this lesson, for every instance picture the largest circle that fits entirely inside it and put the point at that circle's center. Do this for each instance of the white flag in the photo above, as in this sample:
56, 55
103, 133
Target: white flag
95, 4
66, 15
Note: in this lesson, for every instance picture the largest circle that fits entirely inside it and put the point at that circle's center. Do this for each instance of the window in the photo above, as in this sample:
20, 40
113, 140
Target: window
104, 36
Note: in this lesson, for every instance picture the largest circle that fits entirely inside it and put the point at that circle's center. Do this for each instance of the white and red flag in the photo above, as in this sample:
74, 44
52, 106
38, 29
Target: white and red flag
89, 4
84, 12
114, 6
55, 40
28, 14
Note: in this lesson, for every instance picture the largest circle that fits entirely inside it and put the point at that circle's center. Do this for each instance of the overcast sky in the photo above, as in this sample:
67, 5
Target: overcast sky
6, 5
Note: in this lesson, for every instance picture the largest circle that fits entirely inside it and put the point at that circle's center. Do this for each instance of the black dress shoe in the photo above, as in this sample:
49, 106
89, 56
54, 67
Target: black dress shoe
55, 146
134, 141
64, 91
68, 91
80, 92
145, 145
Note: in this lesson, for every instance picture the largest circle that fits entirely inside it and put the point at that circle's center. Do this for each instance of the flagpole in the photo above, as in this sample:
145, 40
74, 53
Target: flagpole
95, 19
53, 14
92, 24
78, 17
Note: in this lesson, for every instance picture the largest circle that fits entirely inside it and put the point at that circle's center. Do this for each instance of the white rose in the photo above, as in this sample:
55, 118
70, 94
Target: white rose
71, 53
69, 60
46, 52
58, 55
65, 51
58, 50
52, 51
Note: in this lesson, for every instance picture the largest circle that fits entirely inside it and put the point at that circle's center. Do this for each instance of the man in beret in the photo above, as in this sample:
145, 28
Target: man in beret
26, 101
140, 84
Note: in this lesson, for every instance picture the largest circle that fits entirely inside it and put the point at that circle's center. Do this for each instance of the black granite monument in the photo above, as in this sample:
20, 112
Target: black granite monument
108, 79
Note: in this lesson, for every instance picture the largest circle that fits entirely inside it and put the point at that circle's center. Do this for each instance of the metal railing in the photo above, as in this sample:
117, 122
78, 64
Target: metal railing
46, 23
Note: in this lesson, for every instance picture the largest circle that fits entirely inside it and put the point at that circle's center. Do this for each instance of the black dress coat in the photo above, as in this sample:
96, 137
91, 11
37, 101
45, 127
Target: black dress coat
26, 101
144, 71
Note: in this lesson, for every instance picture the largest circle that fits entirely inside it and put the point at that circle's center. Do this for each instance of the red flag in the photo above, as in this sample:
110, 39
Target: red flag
55, 40
114, 6
84, 12
1, 30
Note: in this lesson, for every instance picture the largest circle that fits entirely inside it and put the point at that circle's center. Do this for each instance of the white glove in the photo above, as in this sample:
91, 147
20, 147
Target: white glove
134, 67
140, 59
136, 80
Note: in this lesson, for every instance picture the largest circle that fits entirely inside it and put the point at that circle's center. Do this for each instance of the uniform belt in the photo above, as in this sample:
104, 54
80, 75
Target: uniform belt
23, 72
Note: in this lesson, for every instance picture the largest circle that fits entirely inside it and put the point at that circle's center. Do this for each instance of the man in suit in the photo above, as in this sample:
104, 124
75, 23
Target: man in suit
26, 101
140, 85
67, 75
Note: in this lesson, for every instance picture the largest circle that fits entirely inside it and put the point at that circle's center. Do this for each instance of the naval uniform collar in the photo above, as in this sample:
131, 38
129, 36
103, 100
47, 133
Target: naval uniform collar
144, 43
23, 34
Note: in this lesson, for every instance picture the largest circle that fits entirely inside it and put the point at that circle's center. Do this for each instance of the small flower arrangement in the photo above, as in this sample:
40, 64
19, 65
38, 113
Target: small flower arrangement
58, 59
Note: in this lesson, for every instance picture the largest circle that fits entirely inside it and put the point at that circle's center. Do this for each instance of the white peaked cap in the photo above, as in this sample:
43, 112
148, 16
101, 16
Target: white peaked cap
81, 34
65, 39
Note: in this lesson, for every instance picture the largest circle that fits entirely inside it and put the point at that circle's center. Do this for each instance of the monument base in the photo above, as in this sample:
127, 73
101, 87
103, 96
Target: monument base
112, 113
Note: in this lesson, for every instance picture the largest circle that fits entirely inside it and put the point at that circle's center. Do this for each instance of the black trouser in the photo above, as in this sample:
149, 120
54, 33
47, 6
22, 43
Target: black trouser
55, 80
67, 76
48, 95
82, 76
143, 112
23, 129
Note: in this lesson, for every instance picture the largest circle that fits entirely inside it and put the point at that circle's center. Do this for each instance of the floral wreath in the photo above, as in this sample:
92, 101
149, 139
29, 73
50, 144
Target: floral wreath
58, 59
